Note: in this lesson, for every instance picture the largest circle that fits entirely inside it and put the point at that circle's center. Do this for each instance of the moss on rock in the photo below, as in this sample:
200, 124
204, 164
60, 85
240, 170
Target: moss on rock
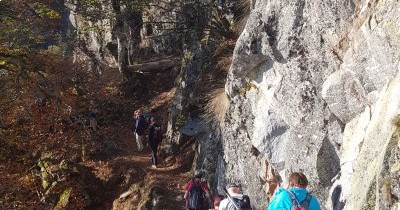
64, 199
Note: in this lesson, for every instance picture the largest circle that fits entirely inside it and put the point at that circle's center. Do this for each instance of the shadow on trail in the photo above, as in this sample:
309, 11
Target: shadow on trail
106, 182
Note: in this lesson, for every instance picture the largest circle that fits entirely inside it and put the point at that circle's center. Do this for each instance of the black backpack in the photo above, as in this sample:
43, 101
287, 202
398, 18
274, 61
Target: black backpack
146, 117
196, 196
157, 133
242, 204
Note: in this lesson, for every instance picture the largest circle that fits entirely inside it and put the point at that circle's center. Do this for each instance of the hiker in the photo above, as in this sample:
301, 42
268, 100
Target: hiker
91, 116
235, 200
139, 127
155, 137
295, 196
197, 194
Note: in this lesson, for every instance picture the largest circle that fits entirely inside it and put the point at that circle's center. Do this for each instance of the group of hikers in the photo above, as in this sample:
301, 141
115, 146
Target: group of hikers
197, 194
294, 197
140, 125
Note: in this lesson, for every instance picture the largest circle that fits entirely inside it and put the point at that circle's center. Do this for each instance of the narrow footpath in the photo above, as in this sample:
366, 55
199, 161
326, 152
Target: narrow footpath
120, 177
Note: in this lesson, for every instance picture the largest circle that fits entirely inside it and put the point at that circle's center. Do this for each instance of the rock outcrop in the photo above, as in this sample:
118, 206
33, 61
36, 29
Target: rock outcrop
92, 34
314, 87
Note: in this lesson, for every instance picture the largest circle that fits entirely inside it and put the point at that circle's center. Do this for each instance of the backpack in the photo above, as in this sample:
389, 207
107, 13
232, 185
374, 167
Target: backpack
157, 133
296, 205
243, 204
196, 196
146, 117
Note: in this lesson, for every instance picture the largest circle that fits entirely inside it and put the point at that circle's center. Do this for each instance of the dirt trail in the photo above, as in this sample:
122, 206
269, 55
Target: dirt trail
125, 171
133, 173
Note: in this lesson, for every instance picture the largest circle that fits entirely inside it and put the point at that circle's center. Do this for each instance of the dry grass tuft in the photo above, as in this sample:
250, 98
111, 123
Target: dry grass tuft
243, 12
224, 63
217, 106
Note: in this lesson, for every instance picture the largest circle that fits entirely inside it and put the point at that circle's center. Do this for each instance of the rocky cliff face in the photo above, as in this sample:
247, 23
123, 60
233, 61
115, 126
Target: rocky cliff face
314, 86
92, 34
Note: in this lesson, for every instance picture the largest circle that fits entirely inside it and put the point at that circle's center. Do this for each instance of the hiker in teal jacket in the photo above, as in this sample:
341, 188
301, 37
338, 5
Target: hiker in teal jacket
283, 200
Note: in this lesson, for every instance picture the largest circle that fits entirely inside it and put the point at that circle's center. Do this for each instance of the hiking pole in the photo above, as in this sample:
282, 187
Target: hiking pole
231, 199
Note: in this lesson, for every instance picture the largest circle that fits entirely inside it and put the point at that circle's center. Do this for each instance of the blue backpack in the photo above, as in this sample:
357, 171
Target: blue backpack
296, 205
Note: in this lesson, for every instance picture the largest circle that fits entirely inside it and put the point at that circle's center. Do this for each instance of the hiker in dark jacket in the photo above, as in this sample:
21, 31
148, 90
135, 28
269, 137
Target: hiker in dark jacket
155, 137
139, 127
284, 199
197, 182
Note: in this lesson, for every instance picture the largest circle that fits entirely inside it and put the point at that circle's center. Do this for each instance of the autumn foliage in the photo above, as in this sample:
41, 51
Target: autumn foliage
41, 95
44, 131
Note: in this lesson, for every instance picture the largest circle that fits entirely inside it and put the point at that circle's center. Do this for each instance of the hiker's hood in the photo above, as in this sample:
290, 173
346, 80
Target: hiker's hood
236, 195
282, 200
300, 193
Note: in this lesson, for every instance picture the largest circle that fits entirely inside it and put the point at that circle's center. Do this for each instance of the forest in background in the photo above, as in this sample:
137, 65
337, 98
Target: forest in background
48, 100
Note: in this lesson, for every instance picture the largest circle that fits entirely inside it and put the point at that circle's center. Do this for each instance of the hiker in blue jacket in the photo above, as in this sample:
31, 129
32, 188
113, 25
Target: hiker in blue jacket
296, 195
